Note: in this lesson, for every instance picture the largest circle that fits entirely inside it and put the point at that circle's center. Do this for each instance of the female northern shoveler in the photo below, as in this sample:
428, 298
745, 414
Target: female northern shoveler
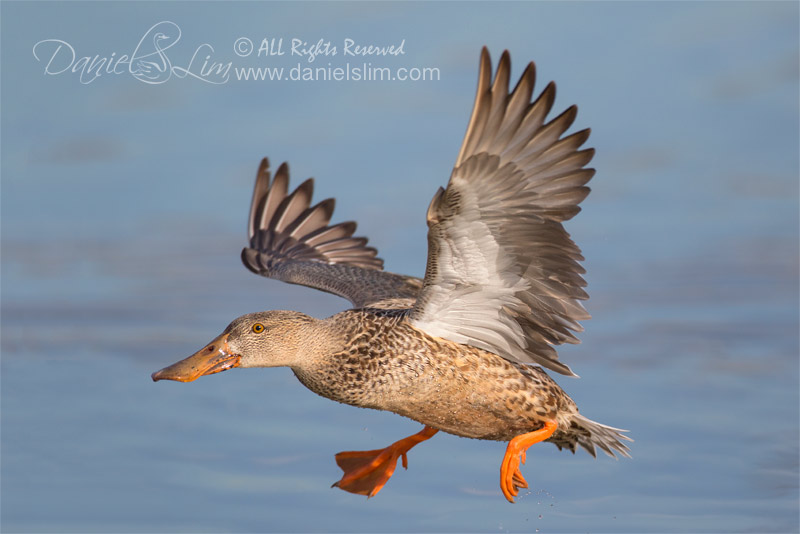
453, 350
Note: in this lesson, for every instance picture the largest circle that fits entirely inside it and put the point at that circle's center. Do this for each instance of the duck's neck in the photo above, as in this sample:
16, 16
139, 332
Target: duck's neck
310, 343
340, 366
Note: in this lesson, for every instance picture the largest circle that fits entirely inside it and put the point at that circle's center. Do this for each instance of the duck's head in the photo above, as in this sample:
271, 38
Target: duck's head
264, 339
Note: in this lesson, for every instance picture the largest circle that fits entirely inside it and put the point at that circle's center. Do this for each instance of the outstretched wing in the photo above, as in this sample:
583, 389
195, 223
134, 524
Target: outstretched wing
502, 273
292, 241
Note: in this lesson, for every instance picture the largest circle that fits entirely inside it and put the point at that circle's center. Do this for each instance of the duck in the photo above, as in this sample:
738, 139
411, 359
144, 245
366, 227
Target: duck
466, 349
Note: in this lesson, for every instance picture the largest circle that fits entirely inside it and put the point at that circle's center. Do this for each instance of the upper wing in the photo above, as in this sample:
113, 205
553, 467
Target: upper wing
291, 240
502, 273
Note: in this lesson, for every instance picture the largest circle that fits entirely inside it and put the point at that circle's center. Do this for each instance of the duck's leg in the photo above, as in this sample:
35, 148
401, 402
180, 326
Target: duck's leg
366, 472
510, 477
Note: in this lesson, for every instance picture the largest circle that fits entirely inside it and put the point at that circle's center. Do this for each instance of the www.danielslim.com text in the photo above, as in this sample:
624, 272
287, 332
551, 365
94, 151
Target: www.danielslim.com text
348, 72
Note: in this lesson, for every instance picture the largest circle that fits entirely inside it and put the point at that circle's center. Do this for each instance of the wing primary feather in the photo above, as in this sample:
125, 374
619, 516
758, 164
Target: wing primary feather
277, 192
484, 81
312, 219
259, 195
330, 233
518, 102
497, 103
292, 206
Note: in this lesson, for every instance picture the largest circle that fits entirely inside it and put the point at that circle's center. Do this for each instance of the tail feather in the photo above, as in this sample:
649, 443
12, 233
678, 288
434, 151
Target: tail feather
592, 435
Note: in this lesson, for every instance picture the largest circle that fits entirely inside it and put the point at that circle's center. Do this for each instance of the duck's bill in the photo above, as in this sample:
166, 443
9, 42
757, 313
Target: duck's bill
213, 358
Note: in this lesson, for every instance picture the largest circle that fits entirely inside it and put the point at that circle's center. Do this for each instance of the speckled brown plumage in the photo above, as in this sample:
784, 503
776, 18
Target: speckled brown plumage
387, 364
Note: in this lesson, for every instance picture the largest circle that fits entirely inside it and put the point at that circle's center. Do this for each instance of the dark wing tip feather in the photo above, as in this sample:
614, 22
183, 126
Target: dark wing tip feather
586, 156
579, 138
547, 96
565, 119
503, 74
527, 81
283, 170
259, 194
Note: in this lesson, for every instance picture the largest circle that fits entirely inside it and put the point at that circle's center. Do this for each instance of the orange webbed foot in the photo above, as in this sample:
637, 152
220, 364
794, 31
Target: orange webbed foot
511, 479
366, 472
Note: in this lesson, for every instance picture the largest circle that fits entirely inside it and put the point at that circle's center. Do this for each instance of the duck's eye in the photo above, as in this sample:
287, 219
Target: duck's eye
258, 328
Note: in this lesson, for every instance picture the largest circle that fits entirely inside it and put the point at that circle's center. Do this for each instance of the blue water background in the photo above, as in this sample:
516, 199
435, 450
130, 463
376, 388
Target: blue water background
124, 208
